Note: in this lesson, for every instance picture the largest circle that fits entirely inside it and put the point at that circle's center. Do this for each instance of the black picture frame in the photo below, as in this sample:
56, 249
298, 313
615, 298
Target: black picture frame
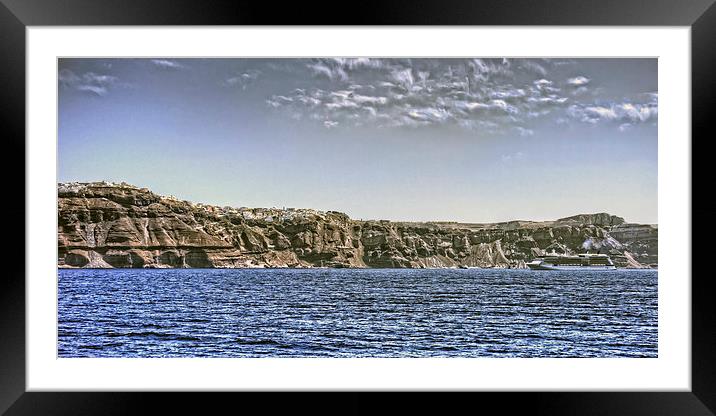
16, 15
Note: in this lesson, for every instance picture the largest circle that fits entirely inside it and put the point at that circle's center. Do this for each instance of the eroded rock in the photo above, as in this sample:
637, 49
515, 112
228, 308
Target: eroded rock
119, 225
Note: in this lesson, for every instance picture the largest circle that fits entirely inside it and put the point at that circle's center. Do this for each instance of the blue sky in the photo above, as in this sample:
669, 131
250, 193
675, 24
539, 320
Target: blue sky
470, 140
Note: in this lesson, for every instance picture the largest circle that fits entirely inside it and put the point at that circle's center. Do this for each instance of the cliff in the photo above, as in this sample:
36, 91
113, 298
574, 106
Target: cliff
118, 225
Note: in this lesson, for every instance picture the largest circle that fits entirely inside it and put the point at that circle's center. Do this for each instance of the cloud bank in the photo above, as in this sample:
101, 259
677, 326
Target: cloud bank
492, 95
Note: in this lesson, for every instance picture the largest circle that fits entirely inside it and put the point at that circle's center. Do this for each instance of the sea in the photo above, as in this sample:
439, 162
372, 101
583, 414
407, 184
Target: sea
235, 313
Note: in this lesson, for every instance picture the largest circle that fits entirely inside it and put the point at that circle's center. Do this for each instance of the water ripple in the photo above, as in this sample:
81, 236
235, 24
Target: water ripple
356, 313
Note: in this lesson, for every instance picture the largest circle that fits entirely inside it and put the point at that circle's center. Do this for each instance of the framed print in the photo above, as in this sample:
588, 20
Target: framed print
406, 207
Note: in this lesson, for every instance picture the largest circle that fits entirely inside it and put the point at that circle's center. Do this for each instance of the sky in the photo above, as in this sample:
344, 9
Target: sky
424, 139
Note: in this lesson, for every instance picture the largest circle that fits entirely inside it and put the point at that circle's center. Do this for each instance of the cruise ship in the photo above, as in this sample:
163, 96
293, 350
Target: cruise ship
575, 262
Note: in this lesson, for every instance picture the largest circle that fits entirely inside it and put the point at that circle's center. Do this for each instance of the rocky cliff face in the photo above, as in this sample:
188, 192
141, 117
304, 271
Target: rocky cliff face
119, 225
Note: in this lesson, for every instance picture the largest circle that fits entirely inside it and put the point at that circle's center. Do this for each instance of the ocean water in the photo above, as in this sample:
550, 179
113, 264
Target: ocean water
356, 313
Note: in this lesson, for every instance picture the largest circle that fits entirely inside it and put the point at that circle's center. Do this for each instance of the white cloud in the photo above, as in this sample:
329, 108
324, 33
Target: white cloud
495, 95
409, 93
244, 79
429, 114
624, 113
578, 81
550, 99
504, 106
67, 77
486, 69
371, 100
403, 77
278, 101
98, 90
90, 82
470, 106
167, 64
332, 73
357, 63
533, 66
508, 93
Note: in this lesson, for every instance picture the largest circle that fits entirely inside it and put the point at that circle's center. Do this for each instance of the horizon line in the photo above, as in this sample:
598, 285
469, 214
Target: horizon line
123, 183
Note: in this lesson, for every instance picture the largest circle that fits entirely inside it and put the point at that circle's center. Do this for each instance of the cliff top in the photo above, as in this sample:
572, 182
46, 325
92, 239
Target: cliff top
122, 190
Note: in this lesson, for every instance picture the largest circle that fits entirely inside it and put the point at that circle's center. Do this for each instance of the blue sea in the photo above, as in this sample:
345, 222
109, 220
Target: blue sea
356, 313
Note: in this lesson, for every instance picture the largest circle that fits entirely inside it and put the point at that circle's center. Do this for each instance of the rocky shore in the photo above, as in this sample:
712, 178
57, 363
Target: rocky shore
105, 225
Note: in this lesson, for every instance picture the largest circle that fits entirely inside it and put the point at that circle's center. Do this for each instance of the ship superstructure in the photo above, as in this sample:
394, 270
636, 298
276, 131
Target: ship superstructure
572, 262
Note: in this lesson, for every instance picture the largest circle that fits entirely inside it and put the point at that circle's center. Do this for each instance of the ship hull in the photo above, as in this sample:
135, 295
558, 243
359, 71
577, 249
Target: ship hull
542, 266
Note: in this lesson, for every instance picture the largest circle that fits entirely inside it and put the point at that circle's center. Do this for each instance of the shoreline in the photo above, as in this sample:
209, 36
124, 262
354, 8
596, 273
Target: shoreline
334, 268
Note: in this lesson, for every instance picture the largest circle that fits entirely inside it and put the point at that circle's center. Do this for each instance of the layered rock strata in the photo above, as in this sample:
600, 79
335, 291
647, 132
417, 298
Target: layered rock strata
103, 225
